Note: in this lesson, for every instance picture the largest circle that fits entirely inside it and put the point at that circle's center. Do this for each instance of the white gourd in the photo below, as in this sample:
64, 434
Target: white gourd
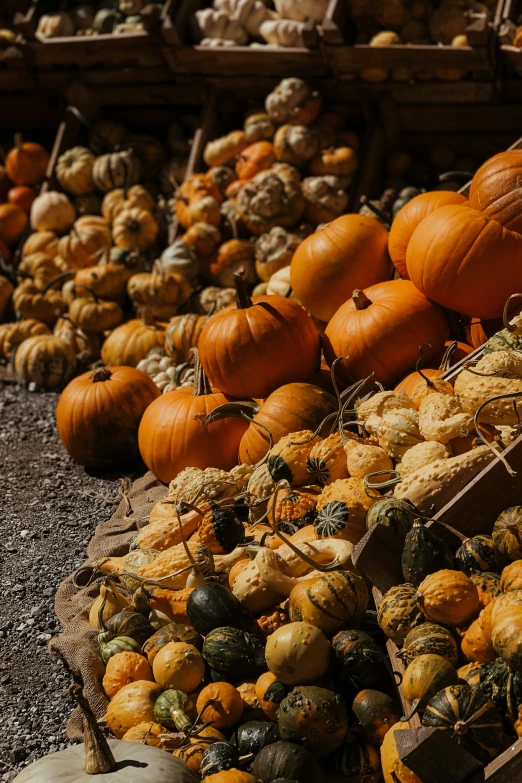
56, 25
283, 32
217, 24
301, 10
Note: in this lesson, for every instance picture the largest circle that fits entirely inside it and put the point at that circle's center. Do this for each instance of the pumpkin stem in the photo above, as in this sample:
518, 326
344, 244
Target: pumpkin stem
416, 706
467, 366
18, 141
201, 384
101, 374
146, 316
89, 289
495, 452
462, 176
244, 408
243, 300
460, 727
360, 299
382, 484
61, 276
448, 356
425, 378
356, 388
98, 755
505, 314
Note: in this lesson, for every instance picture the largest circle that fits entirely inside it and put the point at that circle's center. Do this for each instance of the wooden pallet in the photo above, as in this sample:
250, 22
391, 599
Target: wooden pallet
338, 33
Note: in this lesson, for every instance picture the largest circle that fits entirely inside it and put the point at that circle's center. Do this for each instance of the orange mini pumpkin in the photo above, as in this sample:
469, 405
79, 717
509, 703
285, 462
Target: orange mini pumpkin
26, 163
255, 158
13, 221
123, 668
227, 708
22, 196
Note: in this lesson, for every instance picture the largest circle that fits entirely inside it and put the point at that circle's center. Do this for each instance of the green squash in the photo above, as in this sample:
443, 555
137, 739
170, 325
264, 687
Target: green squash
212, 606
470, 718
130, 623
359, 663
488, 585
478, 554
314, 717
470, 673
106, 20
119, 644
423, 554
218, 757
507, 533
355, 758
398, 613
234, 654
332, 518
398, 515
286, 760
503, 687
254, 735
430, 639
169, 710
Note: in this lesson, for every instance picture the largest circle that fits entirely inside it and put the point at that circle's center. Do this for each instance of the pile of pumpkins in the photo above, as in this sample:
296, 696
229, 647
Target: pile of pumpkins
115, 16
456, 620
240, 22
385, 23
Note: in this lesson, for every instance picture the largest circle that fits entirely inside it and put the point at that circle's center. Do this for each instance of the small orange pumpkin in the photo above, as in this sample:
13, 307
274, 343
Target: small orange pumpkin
227, 708
255, 158
13, 221
123, 668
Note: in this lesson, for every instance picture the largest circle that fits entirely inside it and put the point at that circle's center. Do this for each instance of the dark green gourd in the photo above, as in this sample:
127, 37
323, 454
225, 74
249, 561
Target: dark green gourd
355, 759
478, 554
212, 606
469, 717
236, 654
286, 760
359, 663
129, 623
503, 687
117, 645
218, 757
430, 639
254, 735
398, 515
314, 717
423, 554
169, 710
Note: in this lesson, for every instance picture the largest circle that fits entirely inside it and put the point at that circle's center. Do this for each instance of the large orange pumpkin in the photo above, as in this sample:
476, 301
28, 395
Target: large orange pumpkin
98, 415
465, 261
380, 330
26, 163
293, 407
173, 437
409, 217
254, 346
351, 252
496, 189
13, 220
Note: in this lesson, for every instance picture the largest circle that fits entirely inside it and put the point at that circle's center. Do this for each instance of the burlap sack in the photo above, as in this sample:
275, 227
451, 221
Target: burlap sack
77, 645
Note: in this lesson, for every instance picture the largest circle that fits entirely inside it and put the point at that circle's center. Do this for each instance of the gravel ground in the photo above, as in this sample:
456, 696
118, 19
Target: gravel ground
49, 508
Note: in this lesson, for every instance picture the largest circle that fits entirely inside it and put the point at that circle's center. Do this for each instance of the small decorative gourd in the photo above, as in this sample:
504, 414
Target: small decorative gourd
179, 665
173, 632
133, 704
270, 693
471, 719
329, 601
234, 653
218, 757
221, 530
342, 508
376, 713
288, 458
355, 759
488, 586
398, 515
253, 736
314, 717
359, 661
170, 710
297, 653
504, 687
212, 606
425, 676
74, 170
423, 553
116, 170
430, 638
507, 533
125, 667
225, 707
448, 597
398, 612
393, 769
477, 554
293, 511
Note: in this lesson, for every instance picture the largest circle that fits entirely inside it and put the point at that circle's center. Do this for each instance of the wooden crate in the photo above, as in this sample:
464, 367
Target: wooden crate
184, 55
510, 56
344, 56
143, 48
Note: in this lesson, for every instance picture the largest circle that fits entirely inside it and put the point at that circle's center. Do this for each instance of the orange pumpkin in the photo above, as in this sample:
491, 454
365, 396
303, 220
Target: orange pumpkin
13, 221
380, 330
22, 196
255, 158
98, 415
449, 259
496, 189
479, 330
4, 250
414, 381
227, 708
194, 189
351, 252
172, 438
123, 668
254, 346
409, 217
293, 407
26, 163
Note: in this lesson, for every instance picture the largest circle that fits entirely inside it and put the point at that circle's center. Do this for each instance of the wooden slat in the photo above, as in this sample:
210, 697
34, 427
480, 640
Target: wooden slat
85, 51
244, 60
421, 58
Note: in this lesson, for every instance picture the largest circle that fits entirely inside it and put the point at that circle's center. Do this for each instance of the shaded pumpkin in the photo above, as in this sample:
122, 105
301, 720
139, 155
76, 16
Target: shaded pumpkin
495, 189
130, 342
98, 415
26, 163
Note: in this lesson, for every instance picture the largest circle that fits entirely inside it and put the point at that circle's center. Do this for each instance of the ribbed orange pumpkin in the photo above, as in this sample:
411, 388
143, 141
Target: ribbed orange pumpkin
253, 347
291, 408
380, 331
171, 438
409, 217
98, 415
26, 163
13, 220
255, 158
496, 189
351, 252
464, 261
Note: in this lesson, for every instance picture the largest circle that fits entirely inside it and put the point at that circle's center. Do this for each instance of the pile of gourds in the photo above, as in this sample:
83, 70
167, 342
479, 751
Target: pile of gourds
113, 16
240, 22
456, 620
385, 23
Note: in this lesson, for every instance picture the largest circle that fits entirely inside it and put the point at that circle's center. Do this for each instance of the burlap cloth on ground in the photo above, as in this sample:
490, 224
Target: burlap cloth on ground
77, 645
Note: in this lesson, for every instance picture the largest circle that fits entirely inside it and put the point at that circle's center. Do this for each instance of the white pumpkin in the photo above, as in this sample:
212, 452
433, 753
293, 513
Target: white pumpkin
52, 211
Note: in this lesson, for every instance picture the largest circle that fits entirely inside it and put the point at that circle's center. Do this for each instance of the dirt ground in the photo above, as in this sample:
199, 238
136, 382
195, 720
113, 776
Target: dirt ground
49, 508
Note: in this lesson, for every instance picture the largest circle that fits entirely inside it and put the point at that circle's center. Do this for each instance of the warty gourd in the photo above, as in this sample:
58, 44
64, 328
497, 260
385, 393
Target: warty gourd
283, 32
442, 418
